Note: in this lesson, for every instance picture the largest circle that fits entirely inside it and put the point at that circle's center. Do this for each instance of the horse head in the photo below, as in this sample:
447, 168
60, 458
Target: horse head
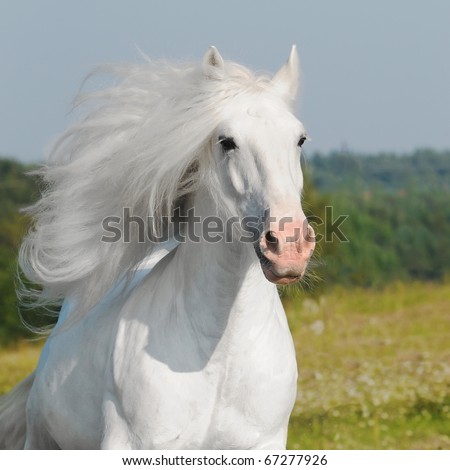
256, 149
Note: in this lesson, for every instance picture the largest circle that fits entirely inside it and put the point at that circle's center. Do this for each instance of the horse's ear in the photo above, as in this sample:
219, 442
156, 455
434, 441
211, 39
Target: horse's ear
213, 65
286, 80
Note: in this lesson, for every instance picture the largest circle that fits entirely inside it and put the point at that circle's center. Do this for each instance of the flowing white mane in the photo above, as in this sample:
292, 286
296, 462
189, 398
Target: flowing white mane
142, 145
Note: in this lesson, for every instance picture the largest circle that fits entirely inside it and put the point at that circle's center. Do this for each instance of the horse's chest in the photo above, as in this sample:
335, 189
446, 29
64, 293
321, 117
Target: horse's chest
236, 401
253, 403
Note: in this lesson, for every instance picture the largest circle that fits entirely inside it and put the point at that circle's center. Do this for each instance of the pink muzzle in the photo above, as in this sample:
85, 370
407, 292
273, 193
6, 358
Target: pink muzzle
284, 251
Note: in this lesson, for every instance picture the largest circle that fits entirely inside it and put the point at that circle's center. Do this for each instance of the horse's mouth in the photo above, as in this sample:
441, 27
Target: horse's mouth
271, 274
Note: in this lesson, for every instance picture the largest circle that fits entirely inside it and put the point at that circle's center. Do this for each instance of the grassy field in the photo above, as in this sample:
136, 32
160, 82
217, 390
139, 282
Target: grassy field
16, 363
374, 368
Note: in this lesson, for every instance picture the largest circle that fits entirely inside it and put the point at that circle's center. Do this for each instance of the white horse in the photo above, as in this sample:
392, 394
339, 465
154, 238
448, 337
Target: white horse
181, 344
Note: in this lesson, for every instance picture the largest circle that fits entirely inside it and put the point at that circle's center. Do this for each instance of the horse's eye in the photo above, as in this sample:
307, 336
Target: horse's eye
228, 144
301, 141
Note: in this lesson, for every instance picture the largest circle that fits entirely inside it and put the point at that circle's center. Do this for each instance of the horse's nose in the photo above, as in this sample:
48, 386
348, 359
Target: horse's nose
287, 250
302, 236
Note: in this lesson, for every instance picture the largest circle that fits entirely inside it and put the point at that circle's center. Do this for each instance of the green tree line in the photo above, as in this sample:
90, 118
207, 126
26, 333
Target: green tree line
397, 224
397, 210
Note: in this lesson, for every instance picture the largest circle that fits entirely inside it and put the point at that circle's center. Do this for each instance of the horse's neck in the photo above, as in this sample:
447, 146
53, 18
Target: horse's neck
222, 282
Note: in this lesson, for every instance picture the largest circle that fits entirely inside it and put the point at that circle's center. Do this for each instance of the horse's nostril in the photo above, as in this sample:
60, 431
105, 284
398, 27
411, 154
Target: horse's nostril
271, 238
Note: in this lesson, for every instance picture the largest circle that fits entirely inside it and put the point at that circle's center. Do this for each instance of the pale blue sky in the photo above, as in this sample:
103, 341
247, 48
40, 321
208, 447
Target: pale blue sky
376, 74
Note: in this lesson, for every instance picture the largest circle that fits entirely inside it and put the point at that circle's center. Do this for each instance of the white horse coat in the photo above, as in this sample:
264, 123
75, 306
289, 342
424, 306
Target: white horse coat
192, 350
